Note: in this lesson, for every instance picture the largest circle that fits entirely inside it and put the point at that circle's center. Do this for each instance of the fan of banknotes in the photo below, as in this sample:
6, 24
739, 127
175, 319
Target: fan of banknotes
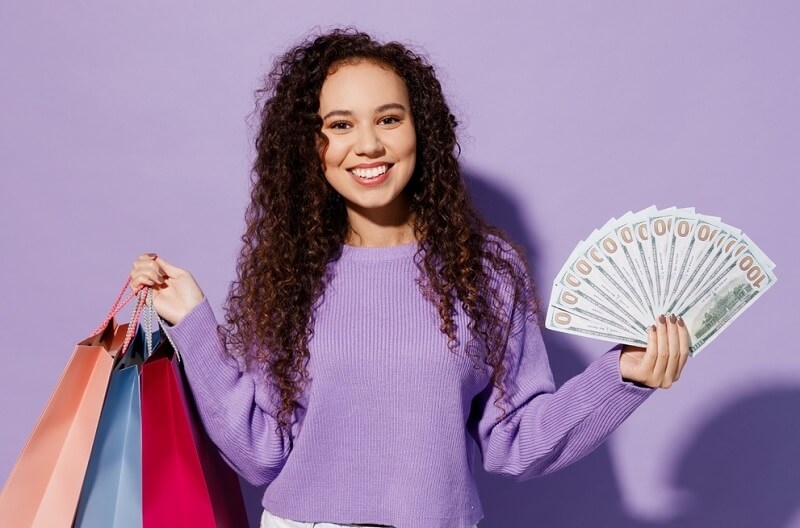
672, 261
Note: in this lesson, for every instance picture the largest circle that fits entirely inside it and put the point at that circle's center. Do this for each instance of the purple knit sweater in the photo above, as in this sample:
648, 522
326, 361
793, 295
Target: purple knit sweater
388, 425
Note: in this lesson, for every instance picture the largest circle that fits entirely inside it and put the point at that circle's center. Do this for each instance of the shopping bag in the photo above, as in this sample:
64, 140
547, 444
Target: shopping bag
43, 488
185, 482
112, 490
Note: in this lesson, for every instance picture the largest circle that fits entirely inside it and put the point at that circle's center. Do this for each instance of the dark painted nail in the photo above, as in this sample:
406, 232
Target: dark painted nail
680, 321
672, 318
662, 319
653, 328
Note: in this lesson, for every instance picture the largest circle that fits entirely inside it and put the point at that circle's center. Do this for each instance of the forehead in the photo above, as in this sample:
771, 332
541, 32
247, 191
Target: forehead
361, 85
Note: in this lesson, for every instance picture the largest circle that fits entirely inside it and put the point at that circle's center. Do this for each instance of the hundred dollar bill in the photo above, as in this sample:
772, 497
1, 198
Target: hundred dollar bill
585, 279
711, 257
578, 302
598, 264
608, 255
661, 225
718, 304
636, 264
725, 249
700, 248
646, 249
762, 257
709, 269
730, 248
575, 323
616, 282
580, 247
573, 254
677, 240
681, 240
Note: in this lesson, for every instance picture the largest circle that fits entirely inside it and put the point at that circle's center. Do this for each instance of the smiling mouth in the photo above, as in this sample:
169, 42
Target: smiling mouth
370, 173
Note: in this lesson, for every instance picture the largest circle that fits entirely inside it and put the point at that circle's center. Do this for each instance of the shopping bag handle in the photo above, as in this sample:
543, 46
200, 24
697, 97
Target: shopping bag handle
120, 303
117, 306
147, 324
135, 318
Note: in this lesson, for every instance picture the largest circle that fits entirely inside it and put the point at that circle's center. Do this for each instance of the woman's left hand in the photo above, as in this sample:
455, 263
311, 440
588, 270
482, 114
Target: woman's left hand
660, 364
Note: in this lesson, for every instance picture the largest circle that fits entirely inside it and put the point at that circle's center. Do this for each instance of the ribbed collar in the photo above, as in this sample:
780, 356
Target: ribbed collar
376, 254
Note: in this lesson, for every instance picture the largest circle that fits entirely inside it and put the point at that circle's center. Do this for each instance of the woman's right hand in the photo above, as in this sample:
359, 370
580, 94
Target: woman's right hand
175, 292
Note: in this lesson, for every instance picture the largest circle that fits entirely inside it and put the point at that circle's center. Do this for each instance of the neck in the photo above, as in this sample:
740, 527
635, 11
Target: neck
377, 229
380, 238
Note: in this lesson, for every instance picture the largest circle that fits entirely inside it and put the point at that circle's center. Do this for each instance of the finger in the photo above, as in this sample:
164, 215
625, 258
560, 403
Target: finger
144, 261
662, 348
683, 341
170, 270
649, 358
145, 280
148, 268
146, 273
671, 374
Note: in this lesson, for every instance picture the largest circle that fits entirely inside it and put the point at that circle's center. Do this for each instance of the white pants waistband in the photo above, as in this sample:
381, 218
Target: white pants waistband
269, 520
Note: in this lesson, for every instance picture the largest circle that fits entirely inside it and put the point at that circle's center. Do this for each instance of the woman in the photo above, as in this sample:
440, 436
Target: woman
379, 330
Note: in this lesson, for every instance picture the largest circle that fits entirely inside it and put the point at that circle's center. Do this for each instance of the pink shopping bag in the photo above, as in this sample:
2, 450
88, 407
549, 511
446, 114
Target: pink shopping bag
185, 482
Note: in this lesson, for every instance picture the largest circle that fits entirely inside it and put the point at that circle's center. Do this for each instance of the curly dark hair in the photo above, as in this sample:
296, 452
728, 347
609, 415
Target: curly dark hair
297, 223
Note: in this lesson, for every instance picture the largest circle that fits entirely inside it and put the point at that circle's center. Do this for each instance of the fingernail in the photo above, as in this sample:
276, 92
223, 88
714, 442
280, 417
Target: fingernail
662, 319
653, 328
672, 318
680, 321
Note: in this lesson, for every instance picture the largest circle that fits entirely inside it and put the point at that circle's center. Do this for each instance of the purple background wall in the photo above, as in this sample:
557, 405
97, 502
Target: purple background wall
123, 130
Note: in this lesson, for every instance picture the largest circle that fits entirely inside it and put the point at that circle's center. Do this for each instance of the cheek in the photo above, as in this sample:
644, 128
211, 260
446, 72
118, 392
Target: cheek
411, 150
410, 143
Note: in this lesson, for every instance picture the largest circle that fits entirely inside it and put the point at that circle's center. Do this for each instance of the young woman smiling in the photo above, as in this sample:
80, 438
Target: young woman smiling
380, 335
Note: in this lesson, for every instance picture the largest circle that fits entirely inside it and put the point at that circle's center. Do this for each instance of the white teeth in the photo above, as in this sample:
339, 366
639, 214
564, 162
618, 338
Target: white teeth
370, 173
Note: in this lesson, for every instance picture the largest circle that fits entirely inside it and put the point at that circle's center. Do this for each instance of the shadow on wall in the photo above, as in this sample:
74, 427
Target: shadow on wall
583, 494
742, 469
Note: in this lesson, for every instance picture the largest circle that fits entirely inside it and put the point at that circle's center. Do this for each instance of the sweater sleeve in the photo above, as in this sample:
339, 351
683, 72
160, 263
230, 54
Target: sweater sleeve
234, 405
537, 429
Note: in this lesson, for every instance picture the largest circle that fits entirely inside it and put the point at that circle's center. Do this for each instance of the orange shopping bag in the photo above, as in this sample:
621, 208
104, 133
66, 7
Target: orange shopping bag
43, 488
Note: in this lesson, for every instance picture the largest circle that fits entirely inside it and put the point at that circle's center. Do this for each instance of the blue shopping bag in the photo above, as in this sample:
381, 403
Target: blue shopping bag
111, 495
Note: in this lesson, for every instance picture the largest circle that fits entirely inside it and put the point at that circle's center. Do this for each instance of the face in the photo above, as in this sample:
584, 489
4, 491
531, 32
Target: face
371, 140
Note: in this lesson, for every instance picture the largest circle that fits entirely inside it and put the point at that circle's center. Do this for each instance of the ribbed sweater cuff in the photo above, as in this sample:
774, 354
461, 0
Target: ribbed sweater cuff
620, 395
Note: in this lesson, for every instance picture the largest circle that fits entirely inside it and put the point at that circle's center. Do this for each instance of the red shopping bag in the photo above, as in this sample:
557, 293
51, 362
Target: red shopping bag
185, 482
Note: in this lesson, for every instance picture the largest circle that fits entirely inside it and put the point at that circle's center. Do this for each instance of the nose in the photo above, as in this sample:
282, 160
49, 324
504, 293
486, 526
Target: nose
368, 143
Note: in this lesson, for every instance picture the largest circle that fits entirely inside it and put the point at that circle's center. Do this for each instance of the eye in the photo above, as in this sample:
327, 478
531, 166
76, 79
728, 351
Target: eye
339, 125
389, 120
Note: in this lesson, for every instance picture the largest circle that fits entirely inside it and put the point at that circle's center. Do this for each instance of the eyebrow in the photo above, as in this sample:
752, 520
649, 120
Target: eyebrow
382, 108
